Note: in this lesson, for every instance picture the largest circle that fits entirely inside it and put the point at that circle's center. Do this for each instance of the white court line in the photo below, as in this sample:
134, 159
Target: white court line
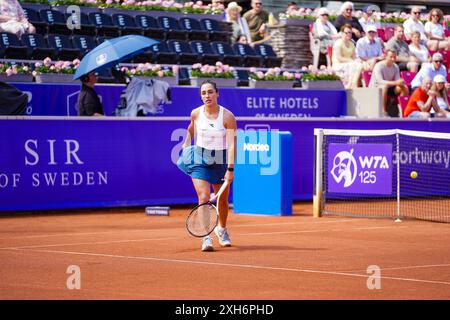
84, 243
406, 267
221, 264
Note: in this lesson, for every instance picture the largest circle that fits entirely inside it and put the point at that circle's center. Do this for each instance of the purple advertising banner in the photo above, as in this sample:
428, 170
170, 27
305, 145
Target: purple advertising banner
360, 168
61, 100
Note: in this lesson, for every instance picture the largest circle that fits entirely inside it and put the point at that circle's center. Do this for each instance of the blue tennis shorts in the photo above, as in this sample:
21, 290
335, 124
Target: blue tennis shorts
204, 164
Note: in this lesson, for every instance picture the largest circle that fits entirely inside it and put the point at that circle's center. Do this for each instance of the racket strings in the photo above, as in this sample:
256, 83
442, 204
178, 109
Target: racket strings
202, 220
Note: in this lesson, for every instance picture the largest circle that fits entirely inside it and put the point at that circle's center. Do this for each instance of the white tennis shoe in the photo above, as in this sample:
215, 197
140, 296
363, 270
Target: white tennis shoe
207, 244
224, 238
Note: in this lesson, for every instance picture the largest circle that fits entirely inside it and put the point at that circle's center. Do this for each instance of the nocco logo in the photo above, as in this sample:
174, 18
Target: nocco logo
345, 167
256, 147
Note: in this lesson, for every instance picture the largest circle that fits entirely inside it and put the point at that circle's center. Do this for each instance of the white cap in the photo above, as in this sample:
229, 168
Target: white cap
437, 56
439, 78
323, 11
371, 27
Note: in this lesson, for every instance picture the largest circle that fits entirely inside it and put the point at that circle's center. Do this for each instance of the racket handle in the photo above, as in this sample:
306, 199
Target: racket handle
217, 195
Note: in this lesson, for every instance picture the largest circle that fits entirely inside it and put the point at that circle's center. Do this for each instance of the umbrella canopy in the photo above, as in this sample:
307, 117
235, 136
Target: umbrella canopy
113, 51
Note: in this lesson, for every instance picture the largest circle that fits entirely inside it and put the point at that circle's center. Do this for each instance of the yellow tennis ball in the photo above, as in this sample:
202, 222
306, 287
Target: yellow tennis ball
413, 174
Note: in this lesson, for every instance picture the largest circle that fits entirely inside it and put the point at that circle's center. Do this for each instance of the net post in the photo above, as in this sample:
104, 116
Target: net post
318, 173
397, 151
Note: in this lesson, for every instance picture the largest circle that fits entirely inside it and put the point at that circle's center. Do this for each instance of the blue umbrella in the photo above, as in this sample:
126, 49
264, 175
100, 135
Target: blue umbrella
113, 51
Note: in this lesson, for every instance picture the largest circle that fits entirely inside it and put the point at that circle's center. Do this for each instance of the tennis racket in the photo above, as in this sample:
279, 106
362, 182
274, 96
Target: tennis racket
204, 217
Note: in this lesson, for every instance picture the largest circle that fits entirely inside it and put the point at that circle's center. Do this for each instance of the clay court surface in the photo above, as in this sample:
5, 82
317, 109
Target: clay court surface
124, 254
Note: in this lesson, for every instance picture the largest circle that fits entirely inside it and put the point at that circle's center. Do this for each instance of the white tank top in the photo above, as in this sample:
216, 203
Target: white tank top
211, 134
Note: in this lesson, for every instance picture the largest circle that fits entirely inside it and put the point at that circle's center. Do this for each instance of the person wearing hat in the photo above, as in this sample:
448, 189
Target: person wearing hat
346, 17
368, 18
439, 94
405, 60
239, 25
324, 31
89, 103
369, 49
430, 70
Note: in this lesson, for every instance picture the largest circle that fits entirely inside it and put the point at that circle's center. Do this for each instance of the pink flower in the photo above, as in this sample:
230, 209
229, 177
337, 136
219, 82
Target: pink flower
9, 72
47, 62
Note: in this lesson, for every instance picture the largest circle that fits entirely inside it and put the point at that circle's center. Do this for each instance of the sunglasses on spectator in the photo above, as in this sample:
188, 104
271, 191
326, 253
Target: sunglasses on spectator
348, 9
258, 4
416, 12
435, 15
440, 61
325, 14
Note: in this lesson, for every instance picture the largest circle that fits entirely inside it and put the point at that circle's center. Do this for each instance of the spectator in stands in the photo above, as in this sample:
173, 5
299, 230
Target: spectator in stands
417, 49
346, 17
438, 92
413, 23
368, 18
89, 103
369, 48
238, 24
430, 70
344, 59
324, 30
420, 104
386, 75
405, 60
12, 18
292, 6
435, 31
257, 18
218, 4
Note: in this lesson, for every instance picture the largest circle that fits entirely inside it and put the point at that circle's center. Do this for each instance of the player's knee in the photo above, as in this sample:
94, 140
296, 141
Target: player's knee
203, 196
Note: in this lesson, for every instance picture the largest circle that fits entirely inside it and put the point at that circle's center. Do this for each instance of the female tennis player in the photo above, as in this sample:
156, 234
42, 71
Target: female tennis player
211, 160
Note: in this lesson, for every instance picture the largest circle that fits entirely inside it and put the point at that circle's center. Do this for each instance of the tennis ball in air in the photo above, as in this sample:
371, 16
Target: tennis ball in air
413, 174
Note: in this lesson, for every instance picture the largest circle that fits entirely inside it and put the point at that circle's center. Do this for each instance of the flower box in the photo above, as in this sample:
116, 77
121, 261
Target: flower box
55, 78
172, 81
221, 82
323, 84
271, 84
16, 78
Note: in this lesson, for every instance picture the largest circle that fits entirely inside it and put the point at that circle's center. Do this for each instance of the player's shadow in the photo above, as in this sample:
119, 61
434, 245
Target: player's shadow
273, 248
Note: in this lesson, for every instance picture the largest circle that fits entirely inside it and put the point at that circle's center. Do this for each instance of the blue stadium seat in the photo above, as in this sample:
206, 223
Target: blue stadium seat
37, 47
161, 54
35, 19
11, 47
172, 28
63, 47
215, 31
150, 27
193, 29
126, 24
227, 54
270, 58
204, 51
84, 43
183, 51
86, 26
56, 22
104, 25
249, 56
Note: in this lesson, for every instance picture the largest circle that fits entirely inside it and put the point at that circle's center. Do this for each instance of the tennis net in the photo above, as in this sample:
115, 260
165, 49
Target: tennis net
382, 174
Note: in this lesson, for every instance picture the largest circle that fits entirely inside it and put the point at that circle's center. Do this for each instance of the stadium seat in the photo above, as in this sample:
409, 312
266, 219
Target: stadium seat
193, 29
366, 75
86, 26
150, 27
104, 24
144, 57
126, 24
408, 76
161, 54
172, 28
37, 47
64, 47
446, 55
84, 43
35, 19
226, 53
249, 56
403, 102
243, 78
447, 32
388, 32
381, 35
214, 30
448, 76
11, 47
185, 55
204, 51
270, 58
56, 22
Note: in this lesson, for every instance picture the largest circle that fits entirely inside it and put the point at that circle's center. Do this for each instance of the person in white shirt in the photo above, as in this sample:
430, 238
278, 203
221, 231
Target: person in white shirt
435, 31
430, 70
438, 92
324, 30
368, 18
417, 49
413, 23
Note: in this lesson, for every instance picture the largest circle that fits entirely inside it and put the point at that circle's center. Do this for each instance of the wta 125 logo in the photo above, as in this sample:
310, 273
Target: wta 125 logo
360, 168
